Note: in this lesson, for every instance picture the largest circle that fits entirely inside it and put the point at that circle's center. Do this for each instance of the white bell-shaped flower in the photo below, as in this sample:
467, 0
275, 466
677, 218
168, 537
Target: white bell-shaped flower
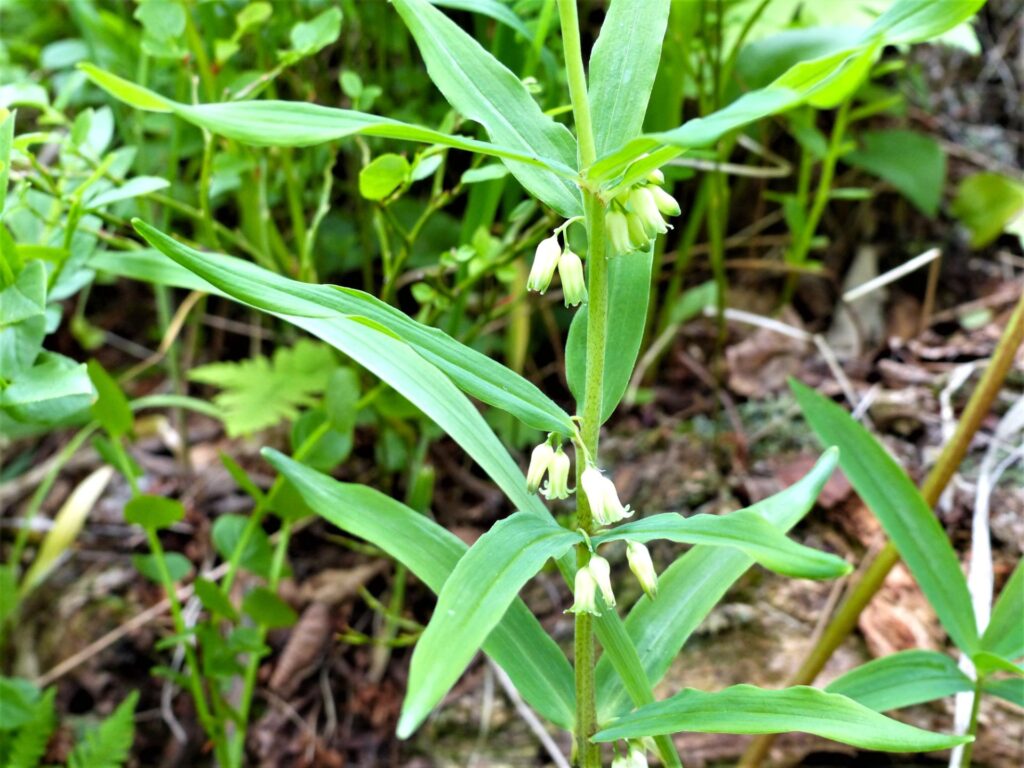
604, 500
639, 559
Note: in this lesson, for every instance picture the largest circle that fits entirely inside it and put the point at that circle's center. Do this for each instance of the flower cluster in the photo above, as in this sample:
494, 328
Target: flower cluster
593, 577
550, 256
553, 463
636, 216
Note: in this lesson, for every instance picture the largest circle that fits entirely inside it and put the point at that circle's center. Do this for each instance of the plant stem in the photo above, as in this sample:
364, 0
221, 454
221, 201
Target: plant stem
588, 754
872, 573
972, 728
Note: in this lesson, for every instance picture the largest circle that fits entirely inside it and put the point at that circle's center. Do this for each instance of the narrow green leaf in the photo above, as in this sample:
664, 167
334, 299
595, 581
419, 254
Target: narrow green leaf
901, 680
472, 601
495, 9
153, 511
989, 663
623, 65
485, 91
111, 407
518, 643
906, 518
1005, 632
301, 124
629, 291
744, 530
475, 373
748, 709
28, 746
690, 587
914, 21
1012, 690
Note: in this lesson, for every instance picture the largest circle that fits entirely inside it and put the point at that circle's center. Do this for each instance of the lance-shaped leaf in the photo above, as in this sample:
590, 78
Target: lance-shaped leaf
623, 65
474, 598
472, 371
903, 513
629, 290
1011, 690
748, 709
482, 89
821, 81
744, 530
902, 680
1004, 635
300, 124
690, 587
517, 643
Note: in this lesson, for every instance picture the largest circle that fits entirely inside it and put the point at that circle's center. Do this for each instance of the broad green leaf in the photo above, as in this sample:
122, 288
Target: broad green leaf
472, 601
6, 141
518, 643
483, 90
906, 518
383, 176
330, 307
690, 587
258, 555
901, 680
52, 390
22, 320
266, 608
912, 162
1012, 690
178, 566
623, 65
147, 265
153, 511
989, 204
1005, 632
629, 290
744, 530
214, 599
309, 37
748, 709
111, 408
301, 124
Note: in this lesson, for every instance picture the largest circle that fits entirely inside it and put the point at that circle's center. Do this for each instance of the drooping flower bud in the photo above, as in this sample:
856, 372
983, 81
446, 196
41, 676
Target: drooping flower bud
604, 500
656, 176
667, 204
617, 226
636, 758
558, 476
570, 271
641, 199
545, 260
602, 574
640, 564
638, 235
540, 462
584, 593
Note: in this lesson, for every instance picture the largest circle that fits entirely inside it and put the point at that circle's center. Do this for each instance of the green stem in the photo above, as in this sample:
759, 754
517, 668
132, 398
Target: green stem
972, 728
872, 574
588, 755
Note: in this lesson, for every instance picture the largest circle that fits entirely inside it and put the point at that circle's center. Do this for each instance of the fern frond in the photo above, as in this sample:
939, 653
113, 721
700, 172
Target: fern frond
261, 392
108, 745
29, 743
